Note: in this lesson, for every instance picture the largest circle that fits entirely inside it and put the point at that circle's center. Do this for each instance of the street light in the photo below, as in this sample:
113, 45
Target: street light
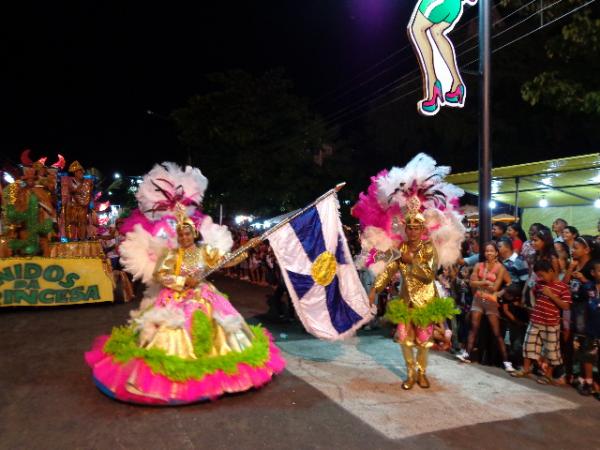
492, 204
543, 202
117, 175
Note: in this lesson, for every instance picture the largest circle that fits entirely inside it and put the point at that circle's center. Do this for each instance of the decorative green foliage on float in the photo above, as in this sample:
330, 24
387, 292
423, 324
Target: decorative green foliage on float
34, 228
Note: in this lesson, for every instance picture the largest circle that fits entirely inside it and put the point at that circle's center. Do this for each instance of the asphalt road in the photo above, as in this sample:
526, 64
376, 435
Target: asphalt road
332, 396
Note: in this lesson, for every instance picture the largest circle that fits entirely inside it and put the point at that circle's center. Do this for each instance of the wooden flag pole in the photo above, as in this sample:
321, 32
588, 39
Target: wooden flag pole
255, 241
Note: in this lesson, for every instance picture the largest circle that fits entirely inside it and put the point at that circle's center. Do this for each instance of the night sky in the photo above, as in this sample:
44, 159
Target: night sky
78, 77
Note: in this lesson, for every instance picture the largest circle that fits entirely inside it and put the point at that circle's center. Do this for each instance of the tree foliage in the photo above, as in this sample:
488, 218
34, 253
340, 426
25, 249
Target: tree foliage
257, 142
569, 79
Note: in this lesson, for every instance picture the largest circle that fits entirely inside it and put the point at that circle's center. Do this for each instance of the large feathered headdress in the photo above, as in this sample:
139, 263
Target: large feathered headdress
416, 193
166, 186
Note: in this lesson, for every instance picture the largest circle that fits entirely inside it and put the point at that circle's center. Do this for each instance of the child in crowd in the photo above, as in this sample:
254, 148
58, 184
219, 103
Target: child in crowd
543, 332
517, 318
590, 353
463, 299
442, 337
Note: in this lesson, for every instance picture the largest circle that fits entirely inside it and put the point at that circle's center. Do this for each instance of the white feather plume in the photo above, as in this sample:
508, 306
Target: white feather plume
231, 323
169, 177
422, 177
169, 316
377, 267
387, 185
421, 171
447, 237
217, 236
373, 237
139, 253
148, 323
148, 299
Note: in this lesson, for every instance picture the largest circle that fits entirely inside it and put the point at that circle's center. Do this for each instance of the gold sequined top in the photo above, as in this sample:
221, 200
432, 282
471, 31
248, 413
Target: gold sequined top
418, 278
81, 192
178, 264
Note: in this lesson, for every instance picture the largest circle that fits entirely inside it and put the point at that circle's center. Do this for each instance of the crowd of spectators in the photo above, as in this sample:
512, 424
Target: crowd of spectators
529, 301
262, 269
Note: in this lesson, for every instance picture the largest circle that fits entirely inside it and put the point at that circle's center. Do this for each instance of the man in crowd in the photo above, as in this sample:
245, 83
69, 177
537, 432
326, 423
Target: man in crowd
557, 227
498, 230
516, 266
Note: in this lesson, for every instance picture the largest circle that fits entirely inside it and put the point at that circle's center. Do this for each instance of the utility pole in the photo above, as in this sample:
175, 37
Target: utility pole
485, 152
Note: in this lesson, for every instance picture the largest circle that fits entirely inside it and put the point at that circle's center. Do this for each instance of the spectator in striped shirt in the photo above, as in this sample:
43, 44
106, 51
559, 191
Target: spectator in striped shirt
543, 332
515, 265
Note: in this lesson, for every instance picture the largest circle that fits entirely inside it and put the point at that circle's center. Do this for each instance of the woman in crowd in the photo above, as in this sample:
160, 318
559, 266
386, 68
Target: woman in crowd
564, 257
527, 251
578, 274
486, 280
569, 235
517, 236
543, 243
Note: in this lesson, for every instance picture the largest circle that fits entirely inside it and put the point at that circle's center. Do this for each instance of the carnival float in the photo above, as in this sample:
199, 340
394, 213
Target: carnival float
51, 252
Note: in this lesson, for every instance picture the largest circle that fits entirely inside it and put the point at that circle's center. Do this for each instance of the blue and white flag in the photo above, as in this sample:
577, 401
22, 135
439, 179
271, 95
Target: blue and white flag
318, 270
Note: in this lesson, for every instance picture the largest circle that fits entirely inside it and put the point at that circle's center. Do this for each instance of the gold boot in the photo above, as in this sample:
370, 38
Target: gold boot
422, 380
407, 351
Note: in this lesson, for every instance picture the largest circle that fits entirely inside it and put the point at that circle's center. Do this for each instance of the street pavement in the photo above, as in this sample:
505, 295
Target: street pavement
343, 395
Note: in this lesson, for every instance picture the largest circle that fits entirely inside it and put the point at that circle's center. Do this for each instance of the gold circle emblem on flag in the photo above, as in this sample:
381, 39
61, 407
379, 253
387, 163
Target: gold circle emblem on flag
324, 269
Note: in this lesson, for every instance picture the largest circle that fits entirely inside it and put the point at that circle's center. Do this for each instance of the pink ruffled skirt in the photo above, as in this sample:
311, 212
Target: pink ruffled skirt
135, 382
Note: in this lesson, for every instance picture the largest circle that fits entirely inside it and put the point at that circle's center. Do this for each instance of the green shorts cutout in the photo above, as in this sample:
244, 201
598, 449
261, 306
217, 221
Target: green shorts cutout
437, 11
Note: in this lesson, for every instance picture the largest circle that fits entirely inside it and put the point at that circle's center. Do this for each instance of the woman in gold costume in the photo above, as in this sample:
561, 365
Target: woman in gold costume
186, 343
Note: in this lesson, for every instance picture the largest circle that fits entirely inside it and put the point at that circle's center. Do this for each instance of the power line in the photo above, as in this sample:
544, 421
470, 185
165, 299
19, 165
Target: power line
404, 95
397, 84
371, 98
589, 2
500, 33
377, 75
397, 52
546, 24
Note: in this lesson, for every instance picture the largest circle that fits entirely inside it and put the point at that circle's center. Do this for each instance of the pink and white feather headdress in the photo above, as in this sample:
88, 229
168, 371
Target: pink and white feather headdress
416, 191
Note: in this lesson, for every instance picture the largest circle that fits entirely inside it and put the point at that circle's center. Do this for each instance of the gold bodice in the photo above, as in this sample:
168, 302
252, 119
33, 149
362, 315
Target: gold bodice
418, 277
178, 264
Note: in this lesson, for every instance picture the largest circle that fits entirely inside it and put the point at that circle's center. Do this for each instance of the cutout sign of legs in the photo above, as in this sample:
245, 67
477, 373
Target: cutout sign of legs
428, 30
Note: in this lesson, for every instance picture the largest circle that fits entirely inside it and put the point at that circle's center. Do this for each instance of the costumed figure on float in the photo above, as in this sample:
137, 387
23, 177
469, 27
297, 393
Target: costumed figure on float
186, 343
30, 207
410, 227
78, 192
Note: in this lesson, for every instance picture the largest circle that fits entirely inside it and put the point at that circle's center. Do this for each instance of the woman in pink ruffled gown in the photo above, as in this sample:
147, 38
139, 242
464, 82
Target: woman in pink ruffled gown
190, 345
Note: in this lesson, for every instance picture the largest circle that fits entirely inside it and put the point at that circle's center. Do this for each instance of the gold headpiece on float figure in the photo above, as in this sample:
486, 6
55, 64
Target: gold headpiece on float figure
413, 215
183, 220
75, 166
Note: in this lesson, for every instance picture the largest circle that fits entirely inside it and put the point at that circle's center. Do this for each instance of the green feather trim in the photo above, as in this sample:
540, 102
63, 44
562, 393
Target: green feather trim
397, 312
436, 311
202, 332
123, 346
